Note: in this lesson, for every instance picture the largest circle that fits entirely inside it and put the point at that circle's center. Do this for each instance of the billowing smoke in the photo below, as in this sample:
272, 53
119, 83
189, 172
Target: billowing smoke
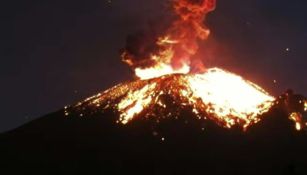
140, 47
176, 44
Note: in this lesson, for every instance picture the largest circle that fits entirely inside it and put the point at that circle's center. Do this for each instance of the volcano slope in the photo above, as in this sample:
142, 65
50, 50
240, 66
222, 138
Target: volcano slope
95, 144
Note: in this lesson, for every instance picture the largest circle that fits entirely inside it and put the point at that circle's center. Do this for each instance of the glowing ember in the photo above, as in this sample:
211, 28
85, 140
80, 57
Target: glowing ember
297, 119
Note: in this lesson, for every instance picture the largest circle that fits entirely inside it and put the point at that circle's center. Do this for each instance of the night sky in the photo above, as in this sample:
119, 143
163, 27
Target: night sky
56, 52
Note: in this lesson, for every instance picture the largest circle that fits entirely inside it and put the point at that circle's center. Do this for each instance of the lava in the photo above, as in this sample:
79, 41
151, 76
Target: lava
297, 108
297, 119
135, 102
240, 104
205, 92
207, 95
165, 85
226, 103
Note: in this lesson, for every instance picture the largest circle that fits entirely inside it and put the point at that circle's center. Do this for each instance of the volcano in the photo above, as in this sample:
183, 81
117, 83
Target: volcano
171, 133
169, 120
210, 123
84, 139
240, 105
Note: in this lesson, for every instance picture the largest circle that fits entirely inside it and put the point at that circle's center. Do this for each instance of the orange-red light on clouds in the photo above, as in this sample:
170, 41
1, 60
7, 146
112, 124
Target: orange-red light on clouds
178, 43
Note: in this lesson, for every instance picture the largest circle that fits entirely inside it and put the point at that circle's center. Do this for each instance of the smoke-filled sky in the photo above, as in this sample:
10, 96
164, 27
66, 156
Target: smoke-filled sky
56, 52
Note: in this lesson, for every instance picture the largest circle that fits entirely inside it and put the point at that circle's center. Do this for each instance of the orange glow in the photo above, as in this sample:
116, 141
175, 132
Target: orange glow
224, 97
178, 43
296, 117
160, 70
221, 96
231, 98
135, 102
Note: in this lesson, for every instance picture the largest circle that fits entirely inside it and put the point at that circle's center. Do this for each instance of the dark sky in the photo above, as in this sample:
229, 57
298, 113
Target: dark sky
56, 52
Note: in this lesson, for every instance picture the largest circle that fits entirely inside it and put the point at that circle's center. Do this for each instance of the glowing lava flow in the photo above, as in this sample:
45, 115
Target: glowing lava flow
229, 97
135, 102
222, 96
216, 95
297, 116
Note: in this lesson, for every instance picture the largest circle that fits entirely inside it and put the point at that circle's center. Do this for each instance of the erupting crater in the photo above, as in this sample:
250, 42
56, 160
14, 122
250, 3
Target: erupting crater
165, 86
240, 103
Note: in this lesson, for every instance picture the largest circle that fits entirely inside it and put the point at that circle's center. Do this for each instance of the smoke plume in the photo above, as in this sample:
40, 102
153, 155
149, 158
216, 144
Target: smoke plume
176, 44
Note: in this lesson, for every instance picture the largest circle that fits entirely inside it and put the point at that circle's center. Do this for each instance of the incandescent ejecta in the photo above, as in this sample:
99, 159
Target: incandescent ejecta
162, 62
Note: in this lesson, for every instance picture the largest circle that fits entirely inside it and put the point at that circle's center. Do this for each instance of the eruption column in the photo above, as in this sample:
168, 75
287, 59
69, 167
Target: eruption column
154, 55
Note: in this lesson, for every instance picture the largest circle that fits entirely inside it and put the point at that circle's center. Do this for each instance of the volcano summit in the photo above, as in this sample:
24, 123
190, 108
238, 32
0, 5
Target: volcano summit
205, 94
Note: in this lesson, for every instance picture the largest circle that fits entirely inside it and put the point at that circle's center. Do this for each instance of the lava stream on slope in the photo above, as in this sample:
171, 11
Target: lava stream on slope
217, 95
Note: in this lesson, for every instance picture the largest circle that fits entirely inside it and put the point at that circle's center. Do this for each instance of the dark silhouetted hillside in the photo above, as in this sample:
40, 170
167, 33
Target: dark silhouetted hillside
95, 144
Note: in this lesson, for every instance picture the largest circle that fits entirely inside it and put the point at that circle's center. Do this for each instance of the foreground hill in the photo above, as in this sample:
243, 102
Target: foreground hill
95, 144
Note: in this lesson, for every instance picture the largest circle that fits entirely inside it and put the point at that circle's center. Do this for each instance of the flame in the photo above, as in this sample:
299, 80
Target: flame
224, 97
